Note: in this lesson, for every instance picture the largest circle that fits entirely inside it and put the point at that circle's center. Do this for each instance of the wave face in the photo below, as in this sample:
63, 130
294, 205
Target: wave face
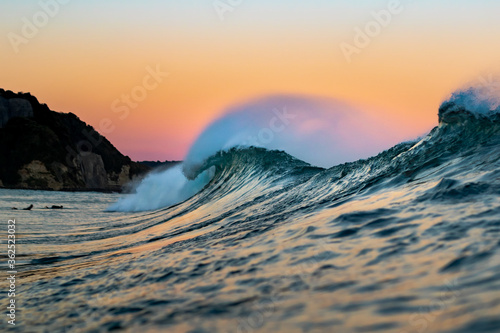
405, 241
323, 132
467, 132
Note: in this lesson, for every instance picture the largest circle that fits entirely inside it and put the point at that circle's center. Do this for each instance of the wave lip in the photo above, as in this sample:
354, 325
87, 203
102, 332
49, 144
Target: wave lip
473, 103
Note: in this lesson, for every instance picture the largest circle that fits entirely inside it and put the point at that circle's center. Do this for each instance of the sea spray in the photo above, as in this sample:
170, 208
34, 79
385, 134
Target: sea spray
377, 239
162, 189
477, 101
306, 128
320, 131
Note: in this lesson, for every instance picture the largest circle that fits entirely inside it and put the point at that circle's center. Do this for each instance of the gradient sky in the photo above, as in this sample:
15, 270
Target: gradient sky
92, 52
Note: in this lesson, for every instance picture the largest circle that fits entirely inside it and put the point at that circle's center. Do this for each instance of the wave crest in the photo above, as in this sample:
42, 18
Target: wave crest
468, 120
475, 102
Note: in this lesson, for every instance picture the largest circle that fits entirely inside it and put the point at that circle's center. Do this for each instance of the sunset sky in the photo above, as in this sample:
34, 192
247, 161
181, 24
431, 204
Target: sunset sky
83, 56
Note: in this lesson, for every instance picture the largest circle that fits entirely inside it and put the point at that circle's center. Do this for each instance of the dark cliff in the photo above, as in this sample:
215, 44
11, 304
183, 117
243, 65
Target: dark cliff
43, 149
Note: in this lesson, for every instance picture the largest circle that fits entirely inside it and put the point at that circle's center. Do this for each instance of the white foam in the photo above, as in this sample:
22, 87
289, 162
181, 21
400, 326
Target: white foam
480, 100
163, 189
322, 132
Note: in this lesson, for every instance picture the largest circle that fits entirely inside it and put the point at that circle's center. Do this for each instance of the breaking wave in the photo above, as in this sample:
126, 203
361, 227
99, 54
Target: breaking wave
223, 157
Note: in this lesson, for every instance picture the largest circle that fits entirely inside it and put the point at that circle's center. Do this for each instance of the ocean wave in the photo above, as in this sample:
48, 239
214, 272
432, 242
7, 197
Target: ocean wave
465, 122
320, 248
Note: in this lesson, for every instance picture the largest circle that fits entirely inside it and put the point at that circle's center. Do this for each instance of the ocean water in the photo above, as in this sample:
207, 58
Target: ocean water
406, 241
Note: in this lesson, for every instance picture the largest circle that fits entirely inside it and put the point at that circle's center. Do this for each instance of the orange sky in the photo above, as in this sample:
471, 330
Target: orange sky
89, 54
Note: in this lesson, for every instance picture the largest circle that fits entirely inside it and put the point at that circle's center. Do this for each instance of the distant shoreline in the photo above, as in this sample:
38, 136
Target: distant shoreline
154, 165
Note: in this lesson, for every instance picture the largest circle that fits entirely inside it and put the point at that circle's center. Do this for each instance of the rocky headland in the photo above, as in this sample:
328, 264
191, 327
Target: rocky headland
48, 150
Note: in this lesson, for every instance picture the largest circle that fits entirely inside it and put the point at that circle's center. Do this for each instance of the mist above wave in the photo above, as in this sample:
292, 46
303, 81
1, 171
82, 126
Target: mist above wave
480, 101
319, 131
323, 132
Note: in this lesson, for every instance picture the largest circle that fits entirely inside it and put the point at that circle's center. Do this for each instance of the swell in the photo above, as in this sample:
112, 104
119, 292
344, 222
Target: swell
270, 224
468, 125
255, 190
459, 135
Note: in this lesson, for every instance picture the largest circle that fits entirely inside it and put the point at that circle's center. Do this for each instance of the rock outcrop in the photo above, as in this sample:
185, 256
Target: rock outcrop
36, 175
93, 170
14, 107
43, 149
